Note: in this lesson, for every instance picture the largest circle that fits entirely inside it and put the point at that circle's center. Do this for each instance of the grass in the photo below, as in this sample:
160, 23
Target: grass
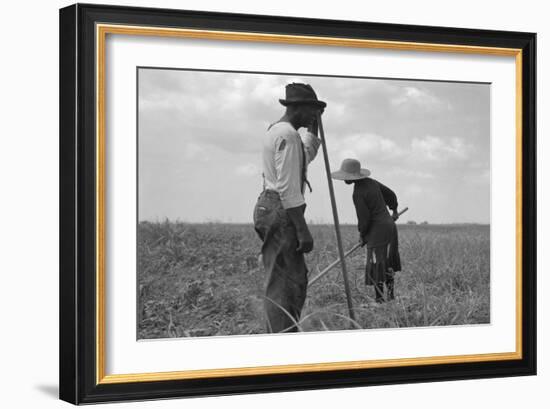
206, 279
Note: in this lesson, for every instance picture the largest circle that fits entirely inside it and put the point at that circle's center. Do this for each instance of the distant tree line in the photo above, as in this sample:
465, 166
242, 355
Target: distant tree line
414, 223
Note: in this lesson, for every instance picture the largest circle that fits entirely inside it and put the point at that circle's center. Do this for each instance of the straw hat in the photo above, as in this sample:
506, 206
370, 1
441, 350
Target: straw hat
297, 93
350, 170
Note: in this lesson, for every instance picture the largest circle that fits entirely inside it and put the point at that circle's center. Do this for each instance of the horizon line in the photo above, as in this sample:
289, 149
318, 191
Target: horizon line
309, 222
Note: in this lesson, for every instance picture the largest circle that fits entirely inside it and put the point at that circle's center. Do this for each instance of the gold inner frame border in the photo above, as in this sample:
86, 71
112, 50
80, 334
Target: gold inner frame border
102, 30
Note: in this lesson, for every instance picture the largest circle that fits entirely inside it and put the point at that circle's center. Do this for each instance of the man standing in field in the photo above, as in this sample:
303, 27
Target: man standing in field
279, 213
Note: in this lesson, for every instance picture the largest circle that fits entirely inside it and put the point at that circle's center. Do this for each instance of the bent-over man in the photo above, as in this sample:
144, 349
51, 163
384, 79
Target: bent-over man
279, 212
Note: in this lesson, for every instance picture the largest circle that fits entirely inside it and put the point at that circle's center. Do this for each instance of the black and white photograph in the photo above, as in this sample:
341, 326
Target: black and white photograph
286, 202
266, 205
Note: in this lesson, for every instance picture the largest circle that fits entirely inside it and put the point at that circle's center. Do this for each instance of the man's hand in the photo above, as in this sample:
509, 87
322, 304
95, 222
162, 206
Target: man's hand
362, 242
313, 127
395, 215
305, 241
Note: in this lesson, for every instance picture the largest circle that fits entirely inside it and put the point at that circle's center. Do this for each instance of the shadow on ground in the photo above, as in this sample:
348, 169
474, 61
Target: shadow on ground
50, 390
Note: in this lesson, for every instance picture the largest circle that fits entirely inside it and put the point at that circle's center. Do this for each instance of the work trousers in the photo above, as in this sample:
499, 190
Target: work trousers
286, 271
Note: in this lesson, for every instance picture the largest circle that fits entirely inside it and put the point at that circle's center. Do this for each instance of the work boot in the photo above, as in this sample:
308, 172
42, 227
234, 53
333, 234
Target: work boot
379, 291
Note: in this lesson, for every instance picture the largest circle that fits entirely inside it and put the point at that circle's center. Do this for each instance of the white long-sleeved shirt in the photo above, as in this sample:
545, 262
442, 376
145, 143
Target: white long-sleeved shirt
283, 161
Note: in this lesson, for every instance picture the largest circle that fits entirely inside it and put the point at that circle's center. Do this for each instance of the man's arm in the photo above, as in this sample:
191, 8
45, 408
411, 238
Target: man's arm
287, 165
363, 216
296, 216
288, 156
311, 142
390, 198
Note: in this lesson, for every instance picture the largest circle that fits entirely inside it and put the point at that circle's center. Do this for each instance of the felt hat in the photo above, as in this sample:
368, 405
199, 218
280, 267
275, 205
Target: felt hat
350, 170
297, 93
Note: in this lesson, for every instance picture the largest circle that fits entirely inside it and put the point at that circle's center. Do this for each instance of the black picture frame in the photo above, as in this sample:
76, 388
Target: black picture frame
78, 236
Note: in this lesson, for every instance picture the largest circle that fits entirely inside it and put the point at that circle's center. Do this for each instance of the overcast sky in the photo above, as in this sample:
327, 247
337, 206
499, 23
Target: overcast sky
200, 137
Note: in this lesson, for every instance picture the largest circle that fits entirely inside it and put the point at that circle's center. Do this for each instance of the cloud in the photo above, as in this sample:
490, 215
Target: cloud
192, 151
266, 89
438, 149
479, 178
359, 146
414, 190
409, 95
414, 136
248, 169
411, 174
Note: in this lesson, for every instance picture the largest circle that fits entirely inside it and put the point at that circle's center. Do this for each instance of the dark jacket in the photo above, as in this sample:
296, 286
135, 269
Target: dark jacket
375, 224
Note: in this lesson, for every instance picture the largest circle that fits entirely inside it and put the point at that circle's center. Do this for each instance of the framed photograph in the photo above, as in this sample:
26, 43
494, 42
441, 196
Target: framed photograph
256, 203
